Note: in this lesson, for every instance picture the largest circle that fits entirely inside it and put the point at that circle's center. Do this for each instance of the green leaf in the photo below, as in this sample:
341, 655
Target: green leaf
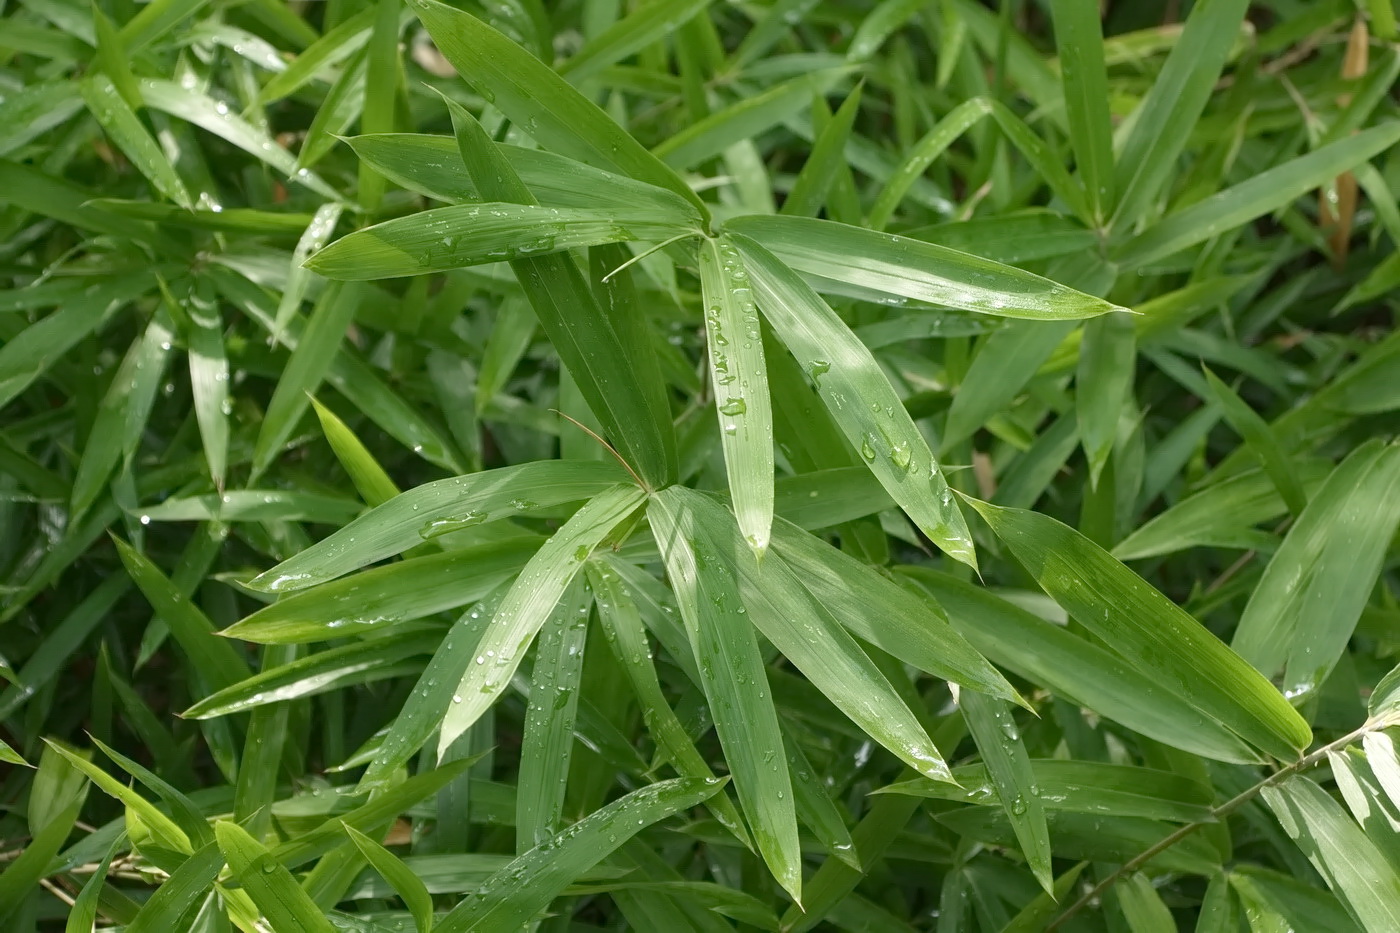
30, 354
1160, 127
634, 413
1268, 191
743, 120
464, 235
1222, 514
382, 806
1082, 787
348, 37
532, 95
209, 377
436, 508
422, 711
161, 827
878, 610
1104, 382
173, 899
433, 166
1271, 894
1006, 360
860, 399
372, 483
1303, 612
803, 628
1079, 40
216, 660
311, 360
56, 798
408, 885
1148, 630
380, 597
529, 602
629, 34
732, 673
251, 505
740, 386
347, 665
1008, 765
268, 882
626, 635
519, 891
83, 917
913, 269
1353, 866
124, 127
824, 163
216, 117
547, 742
312, 239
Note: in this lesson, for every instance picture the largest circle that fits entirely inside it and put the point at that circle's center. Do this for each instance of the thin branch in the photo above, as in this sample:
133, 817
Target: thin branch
1224, 810
606, 446
645, 253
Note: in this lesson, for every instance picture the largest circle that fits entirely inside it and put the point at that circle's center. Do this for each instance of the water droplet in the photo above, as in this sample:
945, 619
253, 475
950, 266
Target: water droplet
734, 406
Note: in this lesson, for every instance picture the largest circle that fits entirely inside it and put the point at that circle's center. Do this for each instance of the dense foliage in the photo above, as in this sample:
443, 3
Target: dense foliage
685, 466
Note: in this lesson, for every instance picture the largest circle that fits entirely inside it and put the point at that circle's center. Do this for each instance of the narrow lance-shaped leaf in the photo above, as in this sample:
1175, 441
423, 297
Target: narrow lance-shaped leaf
733, 676
1104, 381
547, 742
1079, 40
532, 95
268, 882
310, 361
826, 160
1150, 631
626, 634
998, 740
1076, 669
1255, 432
530, 601
209, 378
422, 710
633, 412
740, 386
911, 627
632, 32
408, 885
1265, 192
1161, 126
463, 235
1354, 868
126, 130
1305, 608
519, 891
860, 399
909, 268
313, 238
436, 508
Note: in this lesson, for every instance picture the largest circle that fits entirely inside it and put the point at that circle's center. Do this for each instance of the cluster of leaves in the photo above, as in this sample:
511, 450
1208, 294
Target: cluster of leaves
689, 466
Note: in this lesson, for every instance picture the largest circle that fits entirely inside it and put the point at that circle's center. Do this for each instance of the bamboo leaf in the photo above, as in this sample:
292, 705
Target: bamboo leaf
913, 269
436, 508
1323, 572
532, 95
529, 602
732, 674
520, 890
740, 386
1148, 630
859, 398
